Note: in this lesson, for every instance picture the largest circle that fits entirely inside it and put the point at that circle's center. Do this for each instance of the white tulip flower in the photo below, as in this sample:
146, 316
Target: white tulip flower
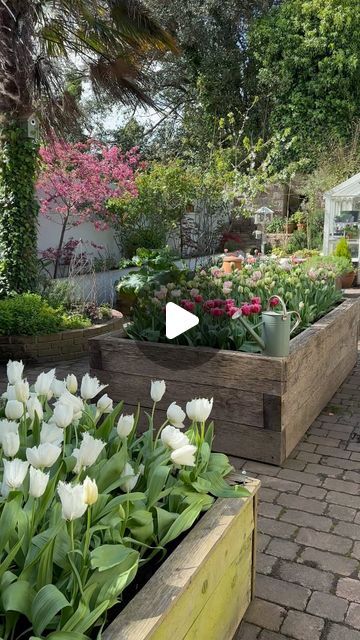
88, 452
104, 404
73, 401
44, 382
10, 393
14, 472
130, 478
125, 425
7, 426
91, 492
90, 387
22, 390
4, 489
14, 409
38, 482
52, 434
199, 409
45, 455
10, 444
33, 406
14, 370
71, 383
176, 415
184, 456
63, 415
72, 500
174, 438
58, 387
158, 388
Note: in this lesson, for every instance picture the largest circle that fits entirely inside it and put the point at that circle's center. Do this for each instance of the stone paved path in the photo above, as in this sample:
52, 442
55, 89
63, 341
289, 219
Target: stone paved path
308, 585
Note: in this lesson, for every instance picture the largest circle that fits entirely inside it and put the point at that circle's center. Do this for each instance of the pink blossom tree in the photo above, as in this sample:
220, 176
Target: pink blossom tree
76, 181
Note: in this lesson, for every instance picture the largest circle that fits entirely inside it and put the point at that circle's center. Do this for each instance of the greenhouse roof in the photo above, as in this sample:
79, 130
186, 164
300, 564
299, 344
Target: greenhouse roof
348, 189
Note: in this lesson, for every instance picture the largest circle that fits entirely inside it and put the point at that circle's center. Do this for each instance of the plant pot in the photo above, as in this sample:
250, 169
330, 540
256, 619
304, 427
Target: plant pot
301, 226
125, 301
205, 586
231, 263
289, 227
347, 280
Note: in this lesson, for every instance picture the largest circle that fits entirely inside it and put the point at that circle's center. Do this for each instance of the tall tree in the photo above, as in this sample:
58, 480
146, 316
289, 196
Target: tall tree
104, 42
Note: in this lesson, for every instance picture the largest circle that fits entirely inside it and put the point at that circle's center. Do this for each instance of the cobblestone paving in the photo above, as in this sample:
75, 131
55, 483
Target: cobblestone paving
308, 562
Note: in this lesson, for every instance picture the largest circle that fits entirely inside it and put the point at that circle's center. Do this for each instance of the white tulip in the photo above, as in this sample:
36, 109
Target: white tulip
199, 409
4, 490
58, 387
52, 434
174, 438
125, 425
88, 452
38, 482
104, 404
22, 390
90, 387
63, 415
14, 370
45, 455
129, 477
14, 409
14, 472
33, 406
176, 415
44, 382
7, 426
72, 500
10, 393
184, 456
10, 444
73, 401
158, 388
91, 492
71, 383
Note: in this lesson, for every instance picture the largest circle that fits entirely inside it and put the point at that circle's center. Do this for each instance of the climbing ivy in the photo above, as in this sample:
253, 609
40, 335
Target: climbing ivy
18, 211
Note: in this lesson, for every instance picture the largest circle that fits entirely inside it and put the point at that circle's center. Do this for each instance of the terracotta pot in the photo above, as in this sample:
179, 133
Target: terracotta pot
347, 280
289, 227
232, 262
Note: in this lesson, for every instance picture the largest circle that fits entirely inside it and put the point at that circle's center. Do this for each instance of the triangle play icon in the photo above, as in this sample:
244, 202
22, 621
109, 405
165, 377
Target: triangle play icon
178, 320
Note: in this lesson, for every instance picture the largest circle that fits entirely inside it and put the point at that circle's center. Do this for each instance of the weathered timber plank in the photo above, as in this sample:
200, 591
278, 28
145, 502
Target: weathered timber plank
229, 405
244, 441
272, 412
235, 369
175, 597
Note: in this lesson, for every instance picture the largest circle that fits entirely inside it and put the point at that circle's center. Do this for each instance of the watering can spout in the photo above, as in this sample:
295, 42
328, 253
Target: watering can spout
250, 329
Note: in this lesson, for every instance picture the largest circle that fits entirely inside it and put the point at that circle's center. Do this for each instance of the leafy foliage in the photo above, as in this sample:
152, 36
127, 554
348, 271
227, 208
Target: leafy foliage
154, 268
342, 249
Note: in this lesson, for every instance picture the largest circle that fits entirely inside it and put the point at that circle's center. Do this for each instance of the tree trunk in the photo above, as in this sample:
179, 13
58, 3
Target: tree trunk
18, 153
61, 241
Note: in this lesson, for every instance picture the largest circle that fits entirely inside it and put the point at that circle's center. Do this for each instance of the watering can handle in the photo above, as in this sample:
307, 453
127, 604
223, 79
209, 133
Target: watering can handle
297, 322
281, 302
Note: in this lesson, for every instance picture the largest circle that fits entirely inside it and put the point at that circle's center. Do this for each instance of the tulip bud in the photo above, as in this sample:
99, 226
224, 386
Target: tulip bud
52, 434
63, 415
129, 478
43, 382
72, 500
34, 407
90, 387
7, 426
14, 472
14, 409
104, 404
90, 491
58, 387
125, 425
174, 438
22, 390
71, 383
10, 393
88, 452
10, 444
184, 456
14, 370
198, 410
38, 482
175, 415
158, 388
45, 455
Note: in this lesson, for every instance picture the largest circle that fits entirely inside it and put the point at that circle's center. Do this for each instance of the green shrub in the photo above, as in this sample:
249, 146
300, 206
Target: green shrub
342, 249
29, 314
339, 265
276, 225
297, 241
142, 238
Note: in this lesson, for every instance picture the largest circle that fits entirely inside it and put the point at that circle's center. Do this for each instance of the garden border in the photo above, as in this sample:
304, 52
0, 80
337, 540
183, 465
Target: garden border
262, 405
52, 347
204, 587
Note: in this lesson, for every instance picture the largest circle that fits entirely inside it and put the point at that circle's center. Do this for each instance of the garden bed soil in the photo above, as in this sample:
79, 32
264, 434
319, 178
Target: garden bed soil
262, 405
204, 587
64, 345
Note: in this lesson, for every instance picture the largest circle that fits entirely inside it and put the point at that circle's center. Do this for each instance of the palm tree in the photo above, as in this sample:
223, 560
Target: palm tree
110, 44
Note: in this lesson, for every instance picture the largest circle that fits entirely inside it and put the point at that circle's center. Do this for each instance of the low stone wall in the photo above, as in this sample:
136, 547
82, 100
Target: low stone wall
65, 345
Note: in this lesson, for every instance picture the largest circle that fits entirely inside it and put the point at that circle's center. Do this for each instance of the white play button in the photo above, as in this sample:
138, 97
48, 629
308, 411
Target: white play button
178, 320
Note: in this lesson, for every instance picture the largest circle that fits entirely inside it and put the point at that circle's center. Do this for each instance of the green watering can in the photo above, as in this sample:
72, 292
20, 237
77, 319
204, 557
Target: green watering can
276, 329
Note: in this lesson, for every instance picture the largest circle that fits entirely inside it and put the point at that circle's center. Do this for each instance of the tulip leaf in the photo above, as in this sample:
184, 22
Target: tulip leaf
184, 521
103, 432
18, 596
141, 525
108, 556
221, 489
46, 605
9, 557
109, 478
137, 496
65, 635
9, 518
156, 482
164, 520
91, 617
219, 462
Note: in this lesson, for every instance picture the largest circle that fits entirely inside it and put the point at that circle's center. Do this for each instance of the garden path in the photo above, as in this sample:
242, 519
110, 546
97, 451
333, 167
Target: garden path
308, 562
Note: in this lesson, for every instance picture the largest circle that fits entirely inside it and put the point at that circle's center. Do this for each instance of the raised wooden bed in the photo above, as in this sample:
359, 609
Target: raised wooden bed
262, 405
205, 586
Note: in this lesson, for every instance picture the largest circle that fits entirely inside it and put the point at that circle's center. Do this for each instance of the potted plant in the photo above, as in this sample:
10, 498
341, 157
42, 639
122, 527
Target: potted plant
88, 504
342, 250
300, 220
276, 225
351, 231
289, 226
